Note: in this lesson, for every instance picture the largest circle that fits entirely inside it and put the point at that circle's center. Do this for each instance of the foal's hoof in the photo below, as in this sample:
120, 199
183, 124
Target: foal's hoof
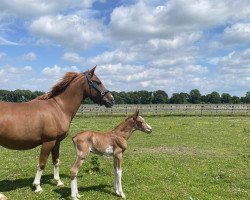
38, 189
122, 195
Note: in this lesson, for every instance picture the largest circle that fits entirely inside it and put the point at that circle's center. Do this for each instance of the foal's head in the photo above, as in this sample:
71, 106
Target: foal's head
96, 91
140, 123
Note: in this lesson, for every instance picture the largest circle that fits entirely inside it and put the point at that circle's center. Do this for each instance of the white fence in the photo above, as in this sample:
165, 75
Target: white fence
168, 109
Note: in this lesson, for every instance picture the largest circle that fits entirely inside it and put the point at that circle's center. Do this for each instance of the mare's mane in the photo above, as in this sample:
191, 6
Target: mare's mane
60, 86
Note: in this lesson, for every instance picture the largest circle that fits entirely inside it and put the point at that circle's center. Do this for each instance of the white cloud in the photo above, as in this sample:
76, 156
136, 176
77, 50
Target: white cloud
2, 55
237, 34
126, 77
72, 57
27, 68
174, 45
31, 56
29, 9
4, 41
111, 57
57, 71
173, 61
141, 20
1, 71
52, 71
70, 31
233, 72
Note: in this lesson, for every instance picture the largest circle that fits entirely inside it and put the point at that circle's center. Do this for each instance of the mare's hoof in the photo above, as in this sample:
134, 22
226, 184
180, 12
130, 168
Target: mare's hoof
60, 183
78, 196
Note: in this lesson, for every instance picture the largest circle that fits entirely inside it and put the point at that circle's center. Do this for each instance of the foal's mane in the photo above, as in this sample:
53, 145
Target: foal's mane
60, 86
123, 122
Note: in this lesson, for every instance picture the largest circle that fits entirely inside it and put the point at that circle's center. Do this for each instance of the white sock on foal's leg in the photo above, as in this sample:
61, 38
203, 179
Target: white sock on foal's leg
115, 179
56, 175
119, 190
37, 179
74, 190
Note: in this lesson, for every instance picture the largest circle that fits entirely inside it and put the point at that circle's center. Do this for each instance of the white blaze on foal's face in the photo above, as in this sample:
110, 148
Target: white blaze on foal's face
142, 125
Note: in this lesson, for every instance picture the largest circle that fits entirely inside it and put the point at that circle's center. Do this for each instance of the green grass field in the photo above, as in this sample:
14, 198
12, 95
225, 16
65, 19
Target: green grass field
184, 158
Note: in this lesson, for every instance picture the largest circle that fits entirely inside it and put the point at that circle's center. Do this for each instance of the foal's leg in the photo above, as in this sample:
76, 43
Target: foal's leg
115, 174
82, 151
55, 158
118, 175
44, 154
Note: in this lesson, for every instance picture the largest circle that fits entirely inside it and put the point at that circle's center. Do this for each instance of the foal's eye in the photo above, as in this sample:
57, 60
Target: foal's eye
139, 122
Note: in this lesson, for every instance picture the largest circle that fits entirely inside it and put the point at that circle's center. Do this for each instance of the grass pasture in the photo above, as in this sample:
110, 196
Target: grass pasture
190, 158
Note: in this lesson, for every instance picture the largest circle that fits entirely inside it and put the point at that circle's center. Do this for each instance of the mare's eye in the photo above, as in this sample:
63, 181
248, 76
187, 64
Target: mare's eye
97, 82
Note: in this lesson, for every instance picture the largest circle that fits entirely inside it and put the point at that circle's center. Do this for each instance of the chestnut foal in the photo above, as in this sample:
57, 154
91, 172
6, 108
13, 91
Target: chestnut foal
112, 143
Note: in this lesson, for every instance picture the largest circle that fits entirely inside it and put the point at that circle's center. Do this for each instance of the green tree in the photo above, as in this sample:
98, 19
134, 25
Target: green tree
236, 100
214, 98
179, 98
159, 97
226, 98
247, 97
144, 97
194, 96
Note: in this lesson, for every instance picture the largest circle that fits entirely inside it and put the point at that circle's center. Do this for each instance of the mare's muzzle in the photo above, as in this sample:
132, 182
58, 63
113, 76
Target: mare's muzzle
103, 100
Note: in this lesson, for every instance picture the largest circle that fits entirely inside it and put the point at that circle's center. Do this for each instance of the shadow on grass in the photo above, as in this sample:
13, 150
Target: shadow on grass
65, 192
9, 185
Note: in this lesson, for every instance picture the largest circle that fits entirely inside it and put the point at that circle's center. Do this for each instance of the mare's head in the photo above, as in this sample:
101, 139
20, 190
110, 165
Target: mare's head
140, 123
96, 91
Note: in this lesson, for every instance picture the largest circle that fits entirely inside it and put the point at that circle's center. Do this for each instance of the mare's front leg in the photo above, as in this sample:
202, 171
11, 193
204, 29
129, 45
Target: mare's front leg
118, 175
55, 159
44, 154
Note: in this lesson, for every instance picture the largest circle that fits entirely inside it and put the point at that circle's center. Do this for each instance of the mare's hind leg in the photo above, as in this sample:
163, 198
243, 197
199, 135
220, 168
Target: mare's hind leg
44, 154
55, 158
82, 151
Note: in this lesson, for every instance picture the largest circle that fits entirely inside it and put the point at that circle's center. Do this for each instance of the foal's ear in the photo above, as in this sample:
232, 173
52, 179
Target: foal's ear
136, 114
92, 71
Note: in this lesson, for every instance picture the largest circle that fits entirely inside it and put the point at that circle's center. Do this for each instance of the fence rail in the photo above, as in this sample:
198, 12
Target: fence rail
168, 109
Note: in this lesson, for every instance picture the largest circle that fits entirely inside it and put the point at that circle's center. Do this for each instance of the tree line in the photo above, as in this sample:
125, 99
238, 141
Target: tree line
142, 97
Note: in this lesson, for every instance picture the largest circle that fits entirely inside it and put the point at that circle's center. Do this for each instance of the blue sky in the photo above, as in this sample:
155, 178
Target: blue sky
173, 45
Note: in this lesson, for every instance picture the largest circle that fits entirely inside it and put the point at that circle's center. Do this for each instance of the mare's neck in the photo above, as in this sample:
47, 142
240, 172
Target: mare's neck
70, 99
125, 129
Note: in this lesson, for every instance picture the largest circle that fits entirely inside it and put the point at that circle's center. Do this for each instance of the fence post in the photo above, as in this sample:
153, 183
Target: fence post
156, 110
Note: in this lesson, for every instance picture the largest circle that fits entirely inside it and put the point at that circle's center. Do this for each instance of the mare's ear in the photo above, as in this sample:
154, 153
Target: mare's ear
92, 71
136, 114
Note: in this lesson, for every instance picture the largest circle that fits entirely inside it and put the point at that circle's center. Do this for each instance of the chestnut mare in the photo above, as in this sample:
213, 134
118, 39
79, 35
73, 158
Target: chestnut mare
112, 143
46, 120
